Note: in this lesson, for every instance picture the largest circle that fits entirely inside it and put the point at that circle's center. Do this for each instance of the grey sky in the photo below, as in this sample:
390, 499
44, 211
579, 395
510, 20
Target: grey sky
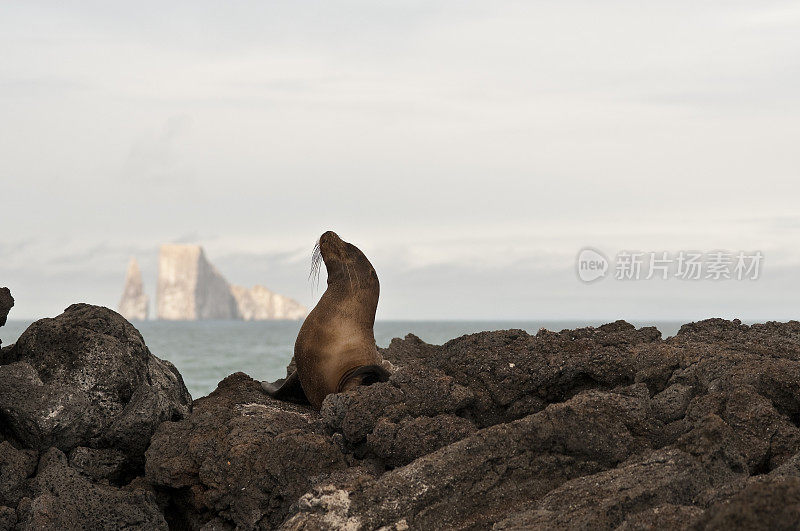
469, 148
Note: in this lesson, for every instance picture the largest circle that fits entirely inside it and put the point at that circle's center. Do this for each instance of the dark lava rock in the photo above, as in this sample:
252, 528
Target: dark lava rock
616, 428
595, 428
495, 470
398, 444
86, 378
16, 466
764, 504
8, 517
240, 456
99, 464
666, 516
6, 303
64, 499
512, 374
407, 394
602, 501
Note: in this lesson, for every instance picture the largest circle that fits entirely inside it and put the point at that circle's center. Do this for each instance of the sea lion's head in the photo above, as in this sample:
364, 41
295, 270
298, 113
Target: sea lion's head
348, 269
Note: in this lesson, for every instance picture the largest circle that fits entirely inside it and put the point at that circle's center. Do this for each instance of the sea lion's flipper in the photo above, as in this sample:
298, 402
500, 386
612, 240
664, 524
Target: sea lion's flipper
286, 389
364, 375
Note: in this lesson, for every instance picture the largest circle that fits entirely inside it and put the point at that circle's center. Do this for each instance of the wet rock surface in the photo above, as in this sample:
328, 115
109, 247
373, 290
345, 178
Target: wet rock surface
596, 428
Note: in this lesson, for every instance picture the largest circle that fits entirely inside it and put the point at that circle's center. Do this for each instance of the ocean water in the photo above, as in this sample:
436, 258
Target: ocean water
205, 352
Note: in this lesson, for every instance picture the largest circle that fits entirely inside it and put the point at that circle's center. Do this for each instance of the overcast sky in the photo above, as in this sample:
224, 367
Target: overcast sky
470, 149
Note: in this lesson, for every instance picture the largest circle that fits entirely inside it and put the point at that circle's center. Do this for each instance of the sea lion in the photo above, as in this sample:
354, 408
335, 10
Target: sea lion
335, 348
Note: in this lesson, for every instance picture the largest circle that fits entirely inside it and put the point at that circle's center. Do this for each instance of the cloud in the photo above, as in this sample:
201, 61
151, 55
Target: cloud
191, 237
154, 158
464, 146
11, 248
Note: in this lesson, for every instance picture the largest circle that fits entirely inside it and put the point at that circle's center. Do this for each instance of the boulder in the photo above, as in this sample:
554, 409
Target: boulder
8, 518
771, 503
64, 499
99, 464
86, 378
6, 303
400, 443
604, 500
512, 374
242, 456
16, 466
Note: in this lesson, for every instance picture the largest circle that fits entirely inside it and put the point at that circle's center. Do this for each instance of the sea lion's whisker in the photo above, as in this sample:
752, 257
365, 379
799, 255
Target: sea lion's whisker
316, 262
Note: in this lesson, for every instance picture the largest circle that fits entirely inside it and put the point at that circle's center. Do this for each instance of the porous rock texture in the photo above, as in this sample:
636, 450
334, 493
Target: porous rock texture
594, 428
241, 455
86, 378
80, 397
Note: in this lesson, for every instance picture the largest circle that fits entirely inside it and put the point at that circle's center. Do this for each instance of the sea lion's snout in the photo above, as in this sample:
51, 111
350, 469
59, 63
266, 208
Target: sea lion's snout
330, 245
329, 237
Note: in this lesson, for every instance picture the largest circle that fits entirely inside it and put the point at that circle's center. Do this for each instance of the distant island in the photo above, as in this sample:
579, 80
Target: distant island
190, 288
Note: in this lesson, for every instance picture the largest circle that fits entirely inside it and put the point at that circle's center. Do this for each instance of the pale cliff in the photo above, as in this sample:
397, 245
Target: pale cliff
190, 288
134, 304
259, 304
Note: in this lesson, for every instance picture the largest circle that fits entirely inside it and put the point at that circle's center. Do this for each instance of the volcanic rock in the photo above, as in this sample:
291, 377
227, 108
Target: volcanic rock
86, 378
594, 428
64, 499
241, 454
6, 303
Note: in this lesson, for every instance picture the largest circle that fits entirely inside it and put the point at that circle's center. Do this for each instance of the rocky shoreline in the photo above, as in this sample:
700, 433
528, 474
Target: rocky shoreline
594, 428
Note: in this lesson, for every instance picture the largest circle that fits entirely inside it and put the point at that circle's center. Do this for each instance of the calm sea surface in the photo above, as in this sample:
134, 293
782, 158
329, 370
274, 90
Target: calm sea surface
207, 351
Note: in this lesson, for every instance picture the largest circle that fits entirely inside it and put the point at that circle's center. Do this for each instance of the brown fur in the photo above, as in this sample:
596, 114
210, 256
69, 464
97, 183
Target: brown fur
335, 349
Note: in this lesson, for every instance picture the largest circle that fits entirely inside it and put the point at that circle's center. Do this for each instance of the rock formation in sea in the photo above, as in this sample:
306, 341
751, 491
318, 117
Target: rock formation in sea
260, 304
134, 304
190, 288
593, 428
